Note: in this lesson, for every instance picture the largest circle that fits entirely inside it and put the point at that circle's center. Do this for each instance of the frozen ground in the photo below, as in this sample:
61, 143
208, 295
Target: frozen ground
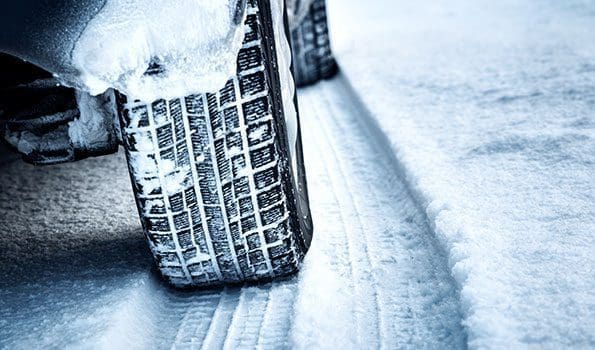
489, 107
451, 178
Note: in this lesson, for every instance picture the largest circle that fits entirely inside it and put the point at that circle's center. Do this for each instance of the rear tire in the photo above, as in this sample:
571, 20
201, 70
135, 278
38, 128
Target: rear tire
218, 197
312, 56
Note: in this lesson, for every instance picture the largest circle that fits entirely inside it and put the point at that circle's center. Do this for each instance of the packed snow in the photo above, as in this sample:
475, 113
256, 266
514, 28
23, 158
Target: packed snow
191, 44
94, 124
489, 107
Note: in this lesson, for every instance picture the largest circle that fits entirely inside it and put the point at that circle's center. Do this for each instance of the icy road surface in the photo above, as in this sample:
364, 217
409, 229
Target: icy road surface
76, 271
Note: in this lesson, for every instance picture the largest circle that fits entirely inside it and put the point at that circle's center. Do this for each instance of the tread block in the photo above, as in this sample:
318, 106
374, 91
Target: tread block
232, 119
138, 141
238, 165
195, 269
182, 155
185, 239
175, 107
160, 114
173, 271
157, 224
233, 142
262, 156
138, 117
167, 259
286, 263
252, 32
176, 202
194, 104
253, 241
246, 207
272, 215
266, 177
250, 58
270, 197
281, 249
153, 206
249, 224
190, 197
234, 228
168, 154
222, 161
255, 109
165, 242
241, 186
256, 257
208, 189
260, 132
252, 84
189, 254
227, 94
216, 224
229, 199
181, 221
164, 136
275, 234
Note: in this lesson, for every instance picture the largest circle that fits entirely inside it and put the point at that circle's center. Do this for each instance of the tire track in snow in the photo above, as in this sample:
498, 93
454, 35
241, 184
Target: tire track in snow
154, 316
278, 317
244, 331
220, 322
408, 295
199, 320
359, 260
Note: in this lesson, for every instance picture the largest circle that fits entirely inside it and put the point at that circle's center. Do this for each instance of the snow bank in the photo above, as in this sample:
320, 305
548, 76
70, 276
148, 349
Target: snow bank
190, 45
489, 109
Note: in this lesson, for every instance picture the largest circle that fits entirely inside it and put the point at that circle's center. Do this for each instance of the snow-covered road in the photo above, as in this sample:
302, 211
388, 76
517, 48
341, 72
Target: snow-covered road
489, 107
78, 272
450, 171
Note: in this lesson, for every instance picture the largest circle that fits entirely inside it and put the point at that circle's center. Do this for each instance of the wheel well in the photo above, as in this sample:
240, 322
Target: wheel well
15, 71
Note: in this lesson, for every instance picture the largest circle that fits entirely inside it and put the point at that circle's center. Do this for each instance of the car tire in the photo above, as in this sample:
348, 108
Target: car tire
312, 55
218, 177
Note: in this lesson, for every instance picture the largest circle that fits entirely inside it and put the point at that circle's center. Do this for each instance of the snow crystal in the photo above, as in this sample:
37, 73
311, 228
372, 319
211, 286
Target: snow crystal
150, 204
177, 181
233, 151
258, 133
